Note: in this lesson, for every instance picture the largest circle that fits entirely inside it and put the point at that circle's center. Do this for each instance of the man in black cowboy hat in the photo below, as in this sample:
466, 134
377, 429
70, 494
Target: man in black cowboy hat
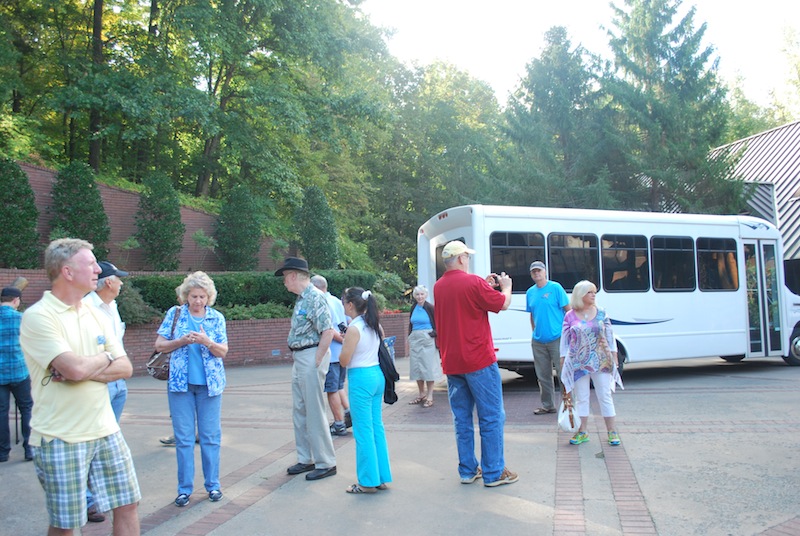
309, 340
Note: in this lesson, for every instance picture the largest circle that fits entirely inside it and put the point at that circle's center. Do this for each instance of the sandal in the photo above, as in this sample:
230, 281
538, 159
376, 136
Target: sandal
355, 488
544, 411
428, 403
382, 487
417, 400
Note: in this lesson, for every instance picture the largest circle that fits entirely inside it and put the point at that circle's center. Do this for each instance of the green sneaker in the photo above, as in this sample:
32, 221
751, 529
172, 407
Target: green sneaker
580, 437
613, 439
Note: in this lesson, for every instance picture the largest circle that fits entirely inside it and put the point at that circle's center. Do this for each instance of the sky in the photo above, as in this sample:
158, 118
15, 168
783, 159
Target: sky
494, 40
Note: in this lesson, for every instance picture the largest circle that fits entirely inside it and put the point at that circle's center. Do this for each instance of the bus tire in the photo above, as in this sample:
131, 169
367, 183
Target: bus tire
794, 349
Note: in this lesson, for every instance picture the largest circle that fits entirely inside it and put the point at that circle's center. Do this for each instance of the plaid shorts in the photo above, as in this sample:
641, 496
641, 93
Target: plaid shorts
64, 469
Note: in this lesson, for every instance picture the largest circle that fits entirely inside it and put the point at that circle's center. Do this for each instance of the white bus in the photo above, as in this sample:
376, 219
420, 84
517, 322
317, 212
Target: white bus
675, 285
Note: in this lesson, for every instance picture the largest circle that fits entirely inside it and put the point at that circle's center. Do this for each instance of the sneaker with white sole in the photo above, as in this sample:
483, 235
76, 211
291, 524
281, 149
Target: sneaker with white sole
506, 477
473, 478
613, 439
580, 437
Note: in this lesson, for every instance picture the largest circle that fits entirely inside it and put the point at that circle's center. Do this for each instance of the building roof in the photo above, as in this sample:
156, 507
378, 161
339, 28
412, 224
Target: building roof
772, 158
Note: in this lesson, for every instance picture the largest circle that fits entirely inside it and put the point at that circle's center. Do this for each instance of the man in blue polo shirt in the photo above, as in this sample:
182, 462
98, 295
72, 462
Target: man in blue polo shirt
547, 303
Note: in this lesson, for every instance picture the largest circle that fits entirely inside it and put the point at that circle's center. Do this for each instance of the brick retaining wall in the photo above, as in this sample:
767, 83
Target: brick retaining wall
250, 342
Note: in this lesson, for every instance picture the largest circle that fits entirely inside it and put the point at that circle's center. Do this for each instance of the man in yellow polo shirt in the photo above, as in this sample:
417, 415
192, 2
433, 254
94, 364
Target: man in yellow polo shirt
72, 354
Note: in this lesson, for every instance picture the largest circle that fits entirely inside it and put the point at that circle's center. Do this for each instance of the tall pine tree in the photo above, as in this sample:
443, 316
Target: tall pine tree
667, 89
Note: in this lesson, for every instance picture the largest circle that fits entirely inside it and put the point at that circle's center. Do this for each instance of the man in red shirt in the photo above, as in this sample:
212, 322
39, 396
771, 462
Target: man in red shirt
467, 349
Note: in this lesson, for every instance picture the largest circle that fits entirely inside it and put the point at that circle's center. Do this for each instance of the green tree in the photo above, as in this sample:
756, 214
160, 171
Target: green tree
437, 151
77, 207
316, 228
239, 230
673, 107
19, 246
158, 221
559, 152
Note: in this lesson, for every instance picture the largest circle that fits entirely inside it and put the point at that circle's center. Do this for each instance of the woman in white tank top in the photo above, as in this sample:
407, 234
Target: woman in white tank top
365, 390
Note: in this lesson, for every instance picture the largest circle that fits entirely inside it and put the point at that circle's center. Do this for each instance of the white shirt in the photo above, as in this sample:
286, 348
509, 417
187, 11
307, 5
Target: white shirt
110, 311
366, 352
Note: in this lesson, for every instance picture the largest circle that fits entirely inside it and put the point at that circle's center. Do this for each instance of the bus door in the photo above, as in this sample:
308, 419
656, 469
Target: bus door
763, 297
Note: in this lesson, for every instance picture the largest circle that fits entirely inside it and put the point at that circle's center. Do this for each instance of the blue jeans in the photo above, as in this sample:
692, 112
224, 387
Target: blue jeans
366, 401
22, 398
195, 406
118, 392
483, 390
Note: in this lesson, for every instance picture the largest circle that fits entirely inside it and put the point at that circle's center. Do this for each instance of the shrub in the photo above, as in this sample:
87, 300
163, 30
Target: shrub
133, 309
317, 230
77, 208
255, 312
239, 230
247, 289
158, 220
19, 247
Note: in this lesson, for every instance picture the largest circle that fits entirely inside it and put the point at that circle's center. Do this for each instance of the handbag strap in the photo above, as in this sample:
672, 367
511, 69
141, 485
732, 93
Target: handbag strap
175, 320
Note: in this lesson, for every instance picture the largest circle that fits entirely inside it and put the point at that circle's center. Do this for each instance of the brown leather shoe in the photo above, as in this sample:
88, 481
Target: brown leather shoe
94, 516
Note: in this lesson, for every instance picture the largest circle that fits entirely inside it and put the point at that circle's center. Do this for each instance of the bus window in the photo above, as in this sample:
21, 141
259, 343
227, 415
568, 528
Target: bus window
716, 264
513, 253
625, 266
573, 257
673, 263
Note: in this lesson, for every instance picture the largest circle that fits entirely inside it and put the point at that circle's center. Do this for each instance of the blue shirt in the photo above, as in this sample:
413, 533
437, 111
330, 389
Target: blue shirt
12, 361
420, 319
337, 317
214, 326
546, 304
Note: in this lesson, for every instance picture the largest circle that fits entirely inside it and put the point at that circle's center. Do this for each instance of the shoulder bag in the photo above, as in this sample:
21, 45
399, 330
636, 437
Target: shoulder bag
389, 373
158, 364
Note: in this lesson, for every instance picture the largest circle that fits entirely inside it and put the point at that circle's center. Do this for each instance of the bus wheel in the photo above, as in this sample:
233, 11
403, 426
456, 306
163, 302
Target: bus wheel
794, 349
621, 355
732, 358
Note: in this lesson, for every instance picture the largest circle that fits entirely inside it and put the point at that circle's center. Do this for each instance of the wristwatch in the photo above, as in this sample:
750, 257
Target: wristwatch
110, 357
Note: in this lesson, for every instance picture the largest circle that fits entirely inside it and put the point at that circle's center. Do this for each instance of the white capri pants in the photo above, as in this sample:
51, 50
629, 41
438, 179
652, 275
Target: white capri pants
603, 381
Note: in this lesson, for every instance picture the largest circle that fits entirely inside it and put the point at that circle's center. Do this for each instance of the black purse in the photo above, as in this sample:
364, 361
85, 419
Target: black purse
158, 364
390, 374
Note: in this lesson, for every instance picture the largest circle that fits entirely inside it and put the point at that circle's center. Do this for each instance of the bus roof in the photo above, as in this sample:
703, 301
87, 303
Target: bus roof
463, 214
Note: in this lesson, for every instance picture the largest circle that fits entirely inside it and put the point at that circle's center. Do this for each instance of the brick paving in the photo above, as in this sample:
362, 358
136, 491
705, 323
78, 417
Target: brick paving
595, 488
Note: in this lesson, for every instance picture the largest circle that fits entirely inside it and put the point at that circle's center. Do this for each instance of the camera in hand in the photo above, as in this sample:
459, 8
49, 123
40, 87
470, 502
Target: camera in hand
342, 328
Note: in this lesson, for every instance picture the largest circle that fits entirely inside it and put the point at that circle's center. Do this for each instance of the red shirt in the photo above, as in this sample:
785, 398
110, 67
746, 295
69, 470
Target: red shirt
462, 326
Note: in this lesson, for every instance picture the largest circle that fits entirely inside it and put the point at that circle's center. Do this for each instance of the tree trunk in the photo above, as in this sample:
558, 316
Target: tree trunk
97, 61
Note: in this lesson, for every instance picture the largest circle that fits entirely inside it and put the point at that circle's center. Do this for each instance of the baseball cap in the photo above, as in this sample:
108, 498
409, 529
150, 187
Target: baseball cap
536, 265
455, 248
11, 291
109, 269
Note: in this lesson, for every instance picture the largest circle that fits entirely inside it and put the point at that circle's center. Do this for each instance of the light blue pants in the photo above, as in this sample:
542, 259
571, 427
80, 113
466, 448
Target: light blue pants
366, 399
187, 408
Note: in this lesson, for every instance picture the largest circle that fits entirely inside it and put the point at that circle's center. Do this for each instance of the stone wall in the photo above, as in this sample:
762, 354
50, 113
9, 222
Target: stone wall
120, 207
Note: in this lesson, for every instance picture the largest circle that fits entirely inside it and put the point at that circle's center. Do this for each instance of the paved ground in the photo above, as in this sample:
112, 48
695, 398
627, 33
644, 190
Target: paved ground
698, 457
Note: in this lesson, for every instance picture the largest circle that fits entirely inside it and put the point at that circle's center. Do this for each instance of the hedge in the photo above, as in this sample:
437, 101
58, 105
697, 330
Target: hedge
244, 288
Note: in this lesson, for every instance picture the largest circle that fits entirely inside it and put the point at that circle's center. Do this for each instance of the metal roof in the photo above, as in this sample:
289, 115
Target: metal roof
773, 157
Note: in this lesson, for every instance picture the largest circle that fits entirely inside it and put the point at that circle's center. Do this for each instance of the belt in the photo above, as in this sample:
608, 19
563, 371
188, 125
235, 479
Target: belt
301, 348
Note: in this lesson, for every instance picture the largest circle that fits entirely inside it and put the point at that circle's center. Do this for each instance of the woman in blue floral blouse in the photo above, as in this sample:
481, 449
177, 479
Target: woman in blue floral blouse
198, 344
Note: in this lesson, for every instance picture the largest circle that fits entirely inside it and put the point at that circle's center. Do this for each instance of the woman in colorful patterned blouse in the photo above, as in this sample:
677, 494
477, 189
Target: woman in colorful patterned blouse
198, 344
589, 352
